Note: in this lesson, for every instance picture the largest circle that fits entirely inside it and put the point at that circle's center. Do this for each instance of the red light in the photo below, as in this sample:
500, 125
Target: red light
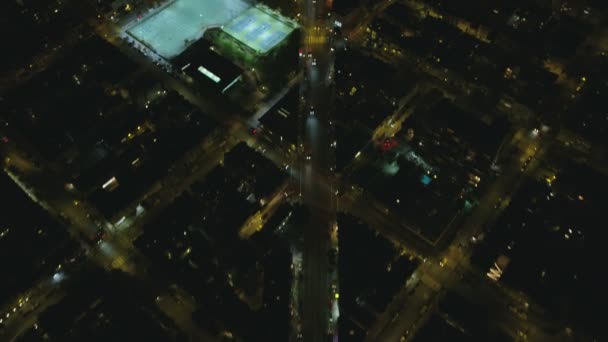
388, 144
254, 131
5, 140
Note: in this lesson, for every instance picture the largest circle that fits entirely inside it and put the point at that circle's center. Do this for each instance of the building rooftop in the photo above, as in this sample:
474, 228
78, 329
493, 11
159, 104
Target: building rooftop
171, 28
260, 28
207, 67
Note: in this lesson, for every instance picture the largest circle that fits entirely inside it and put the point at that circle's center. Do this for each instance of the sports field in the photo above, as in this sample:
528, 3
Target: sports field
170, 30
259, 29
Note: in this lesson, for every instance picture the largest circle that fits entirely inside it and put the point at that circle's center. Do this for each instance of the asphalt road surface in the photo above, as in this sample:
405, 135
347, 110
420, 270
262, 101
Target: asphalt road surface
316, 165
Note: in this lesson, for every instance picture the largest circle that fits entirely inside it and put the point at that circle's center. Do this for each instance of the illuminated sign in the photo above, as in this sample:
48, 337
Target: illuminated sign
209, 74
110, 184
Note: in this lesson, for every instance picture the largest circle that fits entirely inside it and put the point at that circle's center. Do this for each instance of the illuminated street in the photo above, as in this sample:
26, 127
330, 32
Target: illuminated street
308, 170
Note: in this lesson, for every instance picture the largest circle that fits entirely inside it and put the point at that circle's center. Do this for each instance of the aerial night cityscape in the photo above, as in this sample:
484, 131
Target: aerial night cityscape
303, 170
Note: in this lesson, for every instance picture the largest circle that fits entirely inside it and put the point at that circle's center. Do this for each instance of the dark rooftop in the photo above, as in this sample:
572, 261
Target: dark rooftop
208, 67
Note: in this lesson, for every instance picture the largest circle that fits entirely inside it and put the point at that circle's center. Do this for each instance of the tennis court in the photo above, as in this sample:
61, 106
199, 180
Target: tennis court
260, 29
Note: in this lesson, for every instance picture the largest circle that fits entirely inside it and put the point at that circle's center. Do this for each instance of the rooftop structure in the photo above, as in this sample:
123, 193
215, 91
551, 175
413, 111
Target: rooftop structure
207, 67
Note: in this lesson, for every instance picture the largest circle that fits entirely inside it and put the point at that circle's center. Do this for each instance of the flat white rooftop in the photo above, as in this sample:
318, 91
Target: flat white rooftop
170, 30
